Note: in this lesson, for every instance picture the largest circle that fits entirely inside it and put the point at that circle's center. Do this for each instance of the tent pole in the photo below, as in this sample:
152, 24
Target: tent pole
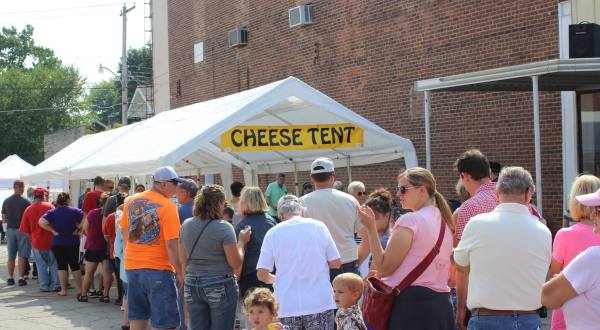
349, 169
296, 179
536, 132
427, 102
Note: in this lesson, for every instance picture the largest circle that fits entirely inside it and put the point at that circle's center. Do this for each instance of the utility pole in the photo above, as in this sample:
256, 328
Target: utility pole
124, 65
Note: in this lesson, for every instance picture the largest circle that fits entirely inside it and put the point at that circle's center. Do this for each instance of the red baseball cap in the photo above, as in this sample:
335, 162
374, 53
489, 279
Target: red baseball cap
39, 192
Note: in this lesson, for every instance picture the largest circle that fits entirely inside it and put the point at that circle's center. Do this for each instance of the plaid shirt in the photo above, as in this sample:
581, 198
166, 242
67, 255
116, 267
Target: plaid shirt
483, 201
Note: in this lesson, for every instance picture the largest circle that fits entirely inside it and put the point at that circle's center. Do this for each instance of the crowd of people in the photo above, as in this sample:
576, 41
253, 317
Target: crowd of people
184, 256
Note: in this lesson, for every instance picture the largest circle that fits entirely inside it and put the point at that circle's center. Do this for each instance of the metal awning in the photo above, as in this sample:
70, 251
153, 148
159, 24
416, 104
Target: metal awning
574, 74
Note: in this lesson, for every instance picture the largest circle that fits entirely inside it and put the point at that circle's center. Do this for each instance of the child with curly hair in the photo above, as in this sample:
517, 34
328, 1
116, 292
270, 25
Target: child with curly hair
261, 309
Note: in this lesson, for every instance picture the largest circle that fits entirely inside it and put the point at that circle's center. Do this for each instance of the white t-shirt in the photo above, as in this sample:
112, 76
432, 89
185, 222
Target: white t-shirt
583, 311
509, 252
339, 212
300, 248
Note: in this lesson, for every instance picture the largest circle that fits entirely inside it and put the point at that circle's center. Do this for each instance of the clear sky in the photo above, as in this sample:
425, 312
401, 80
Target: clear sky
83, 33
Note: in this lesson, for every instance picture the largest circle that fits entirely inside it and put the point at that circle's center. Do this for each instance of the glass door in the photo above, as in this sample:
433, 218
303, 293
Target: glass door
589, 132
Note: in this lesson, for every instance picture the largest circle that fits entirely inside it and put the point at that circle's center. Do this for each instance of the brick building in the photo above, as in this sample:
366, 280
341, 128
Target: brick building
367, 55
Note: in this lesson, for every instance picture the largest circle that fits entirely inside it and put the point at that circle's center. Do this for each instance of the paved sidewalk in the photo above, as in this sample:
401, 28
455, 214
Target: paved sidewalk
28, 308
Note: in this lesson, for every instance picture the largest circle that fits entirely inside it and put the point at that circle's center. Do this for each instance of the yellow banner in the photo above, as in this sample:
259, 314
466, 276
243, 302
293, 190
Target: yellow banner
301, 137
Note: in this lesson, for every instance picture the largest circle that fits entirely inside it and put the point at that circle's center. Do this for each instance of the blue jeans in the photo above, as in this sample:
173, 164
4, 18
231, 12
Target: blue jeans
47, 269
151, 294
516, 322
211, 301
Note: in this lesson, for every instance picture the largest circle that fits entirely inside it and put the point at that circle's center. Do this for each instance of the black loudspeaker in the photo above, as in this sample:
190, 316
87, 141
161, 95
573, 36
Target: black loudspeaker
584, 40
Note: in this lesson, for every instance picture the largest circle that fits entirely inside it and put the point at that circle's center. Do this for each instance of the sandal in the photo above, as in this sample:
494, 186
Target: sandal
105, 299
81, 298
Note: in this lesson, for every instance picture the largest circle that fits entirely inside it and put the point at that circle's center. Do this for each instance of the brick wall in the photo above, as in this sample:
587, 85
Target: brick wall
56, 141
368, 54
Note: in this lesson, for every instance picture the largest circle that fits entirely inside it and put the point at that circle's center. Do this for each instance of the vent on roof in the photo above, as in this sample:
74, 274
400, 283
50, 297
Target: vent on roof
300, 15
238, 37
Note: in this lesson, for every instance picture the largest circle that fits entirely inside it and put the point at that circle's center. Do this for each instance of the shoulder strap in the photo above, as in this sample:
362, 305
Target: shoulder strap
197, 239
422, 266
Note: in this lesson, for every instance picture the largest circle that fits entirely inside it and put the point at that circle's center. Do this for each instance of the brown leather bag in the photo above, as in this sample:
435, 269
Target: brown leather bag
380, 297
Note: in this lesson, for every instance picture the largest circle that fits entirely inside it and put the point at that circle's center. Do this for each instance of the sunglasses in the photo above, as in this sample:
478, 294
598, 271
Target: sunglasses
360, 193
404, 189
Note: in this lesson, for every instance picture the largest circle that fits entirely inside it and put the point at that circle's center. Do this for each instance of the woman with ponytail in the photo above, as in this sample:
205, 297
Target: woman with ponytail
425, 304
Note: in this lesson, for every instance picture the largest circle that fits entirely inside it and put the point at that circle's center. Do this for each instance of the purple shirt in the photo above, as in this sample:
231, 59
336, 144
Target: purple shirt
94, 239
64, 219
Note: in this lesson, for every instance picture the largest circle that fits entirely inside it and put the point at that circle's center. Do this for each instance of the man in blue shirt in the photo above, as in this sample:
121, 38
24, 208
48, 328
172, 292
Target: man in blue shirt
186, 192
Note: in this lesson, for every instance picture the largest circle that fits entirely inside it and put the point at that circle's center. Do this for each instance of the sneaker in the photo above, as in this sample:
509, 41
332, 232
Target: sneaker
26, 277
45, 290
34, 277
22, 282
57, 289
10, 281
94, 294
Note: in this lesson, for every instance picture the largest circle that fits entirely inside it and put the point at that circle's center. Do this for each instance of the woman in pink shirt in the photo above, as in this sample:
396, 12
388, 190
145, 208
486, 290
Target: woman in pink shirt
570, 242
426, 303
577, 287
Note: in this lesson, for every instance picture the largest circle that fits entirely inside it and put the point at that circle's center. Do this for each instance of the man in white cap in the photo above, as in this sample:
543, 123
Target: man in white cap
337, 210
150, 227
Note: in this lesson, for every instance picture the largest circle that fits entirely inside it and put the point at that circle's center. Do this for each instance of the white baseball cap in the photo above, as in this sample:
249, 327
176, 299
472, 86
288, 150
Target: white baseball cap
166, 173
322, 165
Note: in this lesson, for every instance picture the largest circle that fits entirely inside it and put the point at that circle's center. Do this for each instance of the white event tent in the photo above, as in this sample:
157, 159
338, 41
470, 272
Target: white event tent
189, 138
11, 169
56, 166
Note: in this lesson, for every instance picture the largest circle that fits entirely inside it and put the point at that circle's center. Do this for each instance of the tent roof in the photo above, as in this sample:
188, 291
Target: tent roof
56, 166
12, 167
189, 137
573, 74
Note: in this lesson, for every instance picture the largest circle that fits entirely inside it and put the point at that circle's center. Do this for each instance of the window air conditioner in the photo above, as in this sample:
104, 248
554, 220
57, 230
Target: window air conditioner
300, 15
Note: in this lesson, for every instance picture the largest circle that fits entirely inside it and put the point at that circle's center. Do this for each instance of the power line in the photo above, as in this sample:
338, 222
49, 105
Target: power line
58, 9
50, 88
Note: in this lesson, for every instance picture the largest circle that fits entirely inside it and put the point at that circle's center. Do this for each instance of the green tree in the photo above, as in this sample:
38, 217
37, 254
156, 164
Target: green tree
104, 98
38, 95
104, 101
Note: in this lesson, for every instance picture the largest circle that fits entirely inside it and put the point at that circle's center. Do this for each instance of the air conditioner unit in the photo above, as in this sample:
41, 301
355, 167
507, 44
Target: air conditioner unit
300, 15
238, 37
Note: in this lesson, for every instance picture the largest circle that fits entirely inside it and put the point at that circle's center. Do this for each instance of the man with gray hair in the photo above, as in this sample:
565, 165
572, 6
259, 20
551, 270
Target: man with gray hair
302, 284
358, 190
506, 254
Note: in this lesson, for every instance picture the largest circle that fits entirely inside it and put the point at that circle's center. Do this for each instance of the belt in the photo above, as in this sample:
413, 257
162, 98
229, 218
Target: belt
492, 312
351, 264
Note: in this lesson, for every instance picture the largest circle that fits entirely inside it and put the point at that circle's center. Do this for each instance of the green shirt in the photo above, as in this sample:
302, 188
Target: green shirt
274, 193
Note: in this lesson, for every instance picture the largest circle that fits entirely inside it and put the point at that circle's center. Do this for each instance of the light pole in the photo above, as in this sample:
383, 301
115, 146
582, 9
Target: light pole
124, 63
123, 82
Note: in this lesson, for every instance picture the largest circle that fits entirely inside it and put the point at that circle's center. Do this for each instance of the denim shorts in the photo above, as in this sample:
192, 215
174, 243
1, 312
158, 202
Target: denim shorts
18, 243
151, 294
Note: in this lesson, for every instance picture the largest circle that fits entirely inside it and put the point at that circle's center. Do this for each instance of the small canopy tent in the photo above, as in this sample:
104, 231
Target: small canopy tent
190, 137
56, 166
11, 169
